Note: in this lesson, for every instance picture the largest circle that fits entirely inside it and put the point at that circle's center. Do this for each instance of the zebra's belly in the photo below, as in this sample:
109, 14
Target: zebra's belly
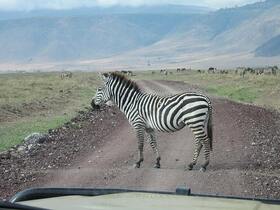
165, 126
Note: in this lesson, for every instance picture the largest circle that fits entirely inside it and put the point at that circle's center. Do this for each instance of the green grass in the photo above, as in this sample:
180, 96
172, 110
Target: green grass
16, 89
37, 102
14, 132
242, 94
263, 90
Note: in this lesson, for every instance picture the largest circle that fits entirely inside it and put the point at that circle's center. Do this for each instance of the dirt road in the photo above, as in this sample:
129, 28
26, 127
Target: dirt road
244, 161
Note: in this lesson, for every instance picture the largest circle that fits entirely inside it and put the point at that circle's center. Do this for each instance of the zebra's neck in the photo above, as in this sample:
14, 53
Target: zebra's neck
126, 97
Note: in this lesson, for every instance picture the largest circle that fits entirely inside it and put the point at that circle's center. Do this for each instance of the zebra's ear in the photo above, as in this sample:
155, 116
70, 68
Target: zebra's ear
104, 76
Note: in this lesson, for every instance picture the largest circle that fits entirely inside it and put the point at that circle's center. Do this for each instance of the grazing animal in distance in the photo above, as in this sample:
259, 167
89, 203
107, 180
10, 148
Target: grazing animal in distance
148, 113
212, 70
164, 72
66, 75
128, 73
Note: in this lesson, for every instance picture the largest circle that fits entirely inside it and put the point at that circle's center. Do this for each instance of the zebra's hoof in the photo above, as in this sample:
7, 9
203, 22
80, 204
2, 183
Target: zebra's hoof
189, 167
202, 169
157, 165
136, 165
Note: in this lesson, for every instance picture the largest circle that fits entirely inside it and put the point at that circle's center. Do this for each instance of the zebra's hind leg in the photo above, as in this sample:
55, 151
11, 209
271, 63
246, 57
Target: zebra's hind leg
153, 143
140, 138
206, 146
199, 135
197, 149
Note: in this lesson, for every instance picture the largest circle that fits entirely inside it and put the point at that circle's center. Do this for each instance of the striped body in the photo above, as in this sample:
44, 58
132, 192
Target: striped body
147, 113
172, 113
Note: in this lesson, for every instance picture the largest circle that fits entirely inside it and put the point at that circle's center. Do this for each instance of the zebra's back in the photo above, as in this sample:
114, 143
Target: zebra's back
174, 112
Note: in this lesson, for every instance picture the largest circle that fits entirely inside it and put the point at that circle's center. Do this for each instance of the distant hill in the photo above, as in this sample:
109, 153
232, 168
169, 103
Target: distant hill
225, 38
161, 36
68, 38
269, 48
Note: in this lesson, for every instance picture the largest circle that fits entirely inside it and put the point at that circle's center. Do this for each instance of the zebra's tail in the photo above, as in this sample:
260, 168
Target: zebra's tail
210, 127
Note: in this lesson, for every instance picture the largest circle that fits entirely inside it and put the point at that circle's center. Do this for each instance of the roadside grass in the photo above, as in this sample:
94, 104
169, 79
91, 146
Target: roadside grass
262, 90
241, 94
37, 102
16, 89
13, 133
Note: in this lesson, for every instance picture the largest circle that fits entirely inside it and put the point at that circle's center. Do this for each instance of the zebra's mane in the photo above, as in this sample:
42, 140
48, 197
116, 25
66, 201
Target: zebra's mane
124, 80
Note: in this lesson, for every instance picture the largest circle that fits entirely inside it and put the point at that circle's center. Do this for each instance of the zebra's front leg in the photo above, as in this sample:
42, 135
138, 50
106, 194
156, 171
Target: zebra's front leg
140, 138
153, 143
206, 145
197, 149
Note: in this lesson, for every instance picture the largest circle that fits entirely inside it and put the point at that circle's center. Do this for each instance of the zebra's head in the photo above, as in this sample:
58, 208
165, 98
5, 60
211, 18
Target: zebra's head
102, 94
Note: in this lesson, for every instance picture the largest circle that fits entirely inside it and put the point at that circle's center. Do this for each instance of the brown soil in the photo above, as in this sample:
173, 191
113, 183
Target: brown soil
98, 149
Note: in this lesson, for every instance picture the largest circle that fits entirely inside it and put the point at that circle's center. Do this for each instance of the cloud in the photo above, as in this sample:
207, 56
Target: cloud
142, 2
46, 4
224, 3
70, 4
207, 3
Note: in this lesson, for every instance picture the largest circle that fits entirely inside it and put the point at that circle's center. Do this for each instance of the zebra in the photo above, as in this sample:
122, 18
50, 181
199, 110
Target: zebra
148, 113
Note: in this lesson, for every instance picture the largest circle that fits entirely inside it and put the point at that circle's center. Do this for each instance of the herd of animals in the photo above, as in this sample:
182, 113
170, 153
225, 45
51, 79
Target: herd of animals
242, 71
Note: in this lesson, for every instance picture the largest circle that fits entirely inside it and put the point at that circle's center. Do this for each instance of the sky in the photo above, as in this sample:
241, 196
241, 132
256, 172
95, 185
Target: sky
70, 4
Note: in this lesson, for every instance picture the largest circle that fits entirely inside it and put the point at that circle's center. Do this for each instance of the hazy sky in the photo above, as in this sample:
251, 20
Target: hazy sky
68, 4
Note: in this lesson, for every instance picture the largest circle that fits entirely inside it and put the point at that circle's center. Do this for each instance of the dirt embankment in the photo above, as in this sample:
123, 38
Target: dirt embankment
63, 147
98, 149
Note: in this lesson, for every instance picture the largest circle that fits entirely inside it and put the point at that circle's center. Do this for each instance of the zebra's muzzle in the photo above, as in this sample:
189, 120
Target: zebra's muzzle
94, 106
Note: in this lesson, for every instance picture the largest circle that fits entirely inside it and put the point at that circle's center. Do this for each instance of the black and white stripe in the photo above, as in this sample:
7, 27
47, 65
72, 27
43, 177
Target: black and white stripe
147, 113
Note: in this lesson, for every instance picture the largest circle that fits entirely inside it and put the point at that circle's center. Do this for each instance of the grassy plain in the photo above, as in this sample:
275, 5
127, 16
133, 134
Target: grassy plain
262, 90
37, 102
